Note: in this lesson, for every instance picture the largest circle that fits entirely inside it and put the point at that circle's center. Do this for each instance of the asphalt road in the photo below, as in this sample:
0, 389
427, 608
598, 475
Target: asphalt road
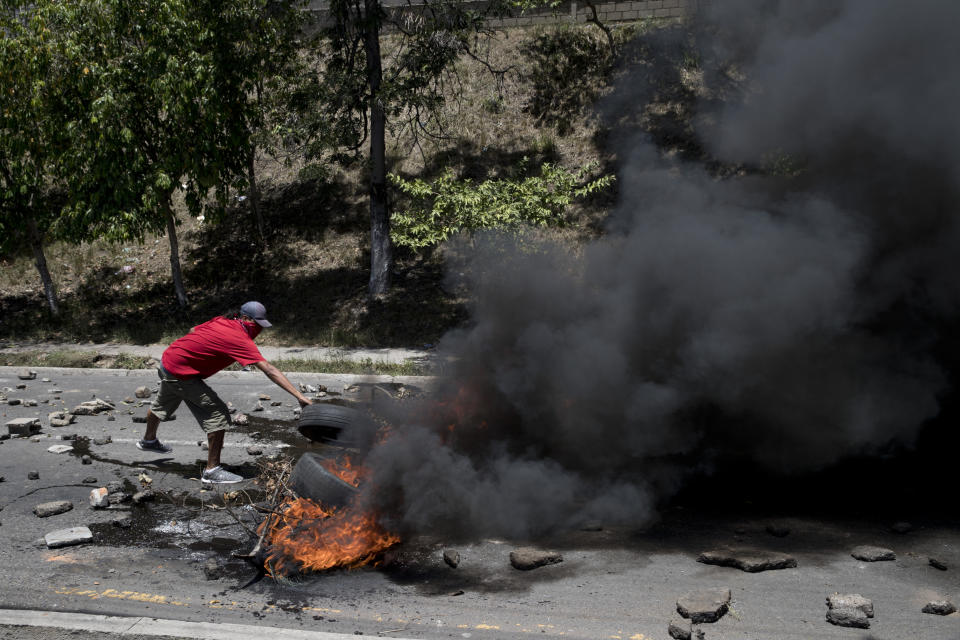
613, 583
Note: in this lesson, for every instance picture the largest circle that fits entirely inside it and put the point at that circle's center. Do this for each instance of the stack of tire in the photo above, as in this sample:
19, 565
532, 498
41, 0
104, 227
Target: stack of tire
330, 424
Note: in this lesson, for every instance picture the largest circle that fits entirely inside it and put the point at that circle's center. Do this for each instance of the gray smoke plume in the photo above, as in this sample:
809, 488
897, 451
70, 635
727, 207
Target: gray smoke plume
788, 321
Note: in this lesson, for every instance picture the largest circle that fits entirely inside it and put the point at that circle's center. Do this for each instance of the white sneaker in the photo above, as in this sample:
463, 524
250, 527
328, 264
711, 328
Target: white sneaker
219, 475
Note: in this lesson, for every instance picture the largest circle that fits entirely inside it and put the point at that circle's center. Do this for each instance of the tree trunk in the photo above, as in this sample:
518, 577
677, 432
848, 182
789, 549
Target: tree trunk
254, 196
36, 243
381, 250
175, 255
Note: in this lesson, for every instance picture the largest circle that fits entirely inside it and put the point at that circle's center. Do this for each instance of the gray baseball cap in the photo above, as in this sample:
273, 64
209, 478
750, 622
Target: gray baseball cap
256, 311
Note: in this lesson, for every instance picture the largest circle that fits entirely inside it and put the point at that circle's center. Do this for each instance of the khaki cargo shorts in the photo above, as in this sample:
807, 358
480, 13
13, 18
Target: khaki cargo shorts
209, 410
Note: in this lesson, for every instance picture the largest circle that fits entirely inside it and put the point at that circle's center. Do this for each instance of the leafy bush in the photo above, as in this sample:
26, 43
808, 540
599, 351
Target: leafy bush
446, 206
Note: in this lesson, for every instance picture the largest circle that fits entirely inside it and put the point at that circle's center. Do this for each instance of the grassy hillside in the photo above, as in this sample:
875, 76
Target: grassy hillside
312, 273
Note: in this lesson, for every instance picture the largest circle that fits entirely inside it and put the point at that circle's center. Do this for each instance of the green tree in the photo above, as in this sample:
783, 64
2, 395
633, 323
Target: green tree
363, 91
167, 111
32, 102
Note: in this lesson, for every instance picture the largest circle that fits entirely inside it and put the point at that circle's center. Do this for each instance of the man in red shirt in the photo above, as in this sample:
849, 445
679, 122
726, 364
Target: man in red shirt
207, 349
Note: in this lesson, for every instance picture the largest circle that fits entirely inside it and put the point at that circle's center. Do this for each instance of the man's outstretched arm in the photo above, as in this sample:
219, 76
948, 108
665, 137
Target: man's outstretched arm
281, 381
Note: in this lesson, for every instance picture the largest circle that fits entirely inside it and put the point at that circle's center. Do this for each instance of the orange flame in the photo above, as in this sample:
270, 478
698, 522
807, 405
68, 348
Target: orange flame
344, 470
306, 536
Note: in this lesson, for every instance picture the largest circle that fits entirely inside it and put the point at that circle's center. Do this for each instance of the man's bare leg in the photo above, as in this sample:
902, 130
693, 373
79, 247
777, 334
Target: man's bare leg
214, 446
152, 423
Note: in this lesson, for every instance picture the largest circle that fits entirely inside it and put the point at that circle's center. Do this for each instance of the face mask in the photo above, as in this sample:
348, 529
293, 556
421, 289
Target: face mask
252, 328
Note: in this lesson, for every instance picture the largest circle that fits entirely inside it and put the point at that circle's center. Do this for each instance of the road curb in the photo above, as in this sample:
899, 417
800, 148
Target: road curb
127, 626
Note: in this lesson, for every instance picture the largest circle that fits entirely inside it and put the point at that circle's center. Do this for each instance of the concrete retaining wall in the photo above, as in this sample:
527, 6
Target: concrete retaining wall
569, 11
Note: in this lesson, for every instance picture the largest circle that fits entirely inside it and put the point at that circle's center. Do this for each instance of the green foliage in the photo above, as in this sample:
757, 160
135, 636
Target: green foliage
446, 206
163, 104
569, 71
31, 109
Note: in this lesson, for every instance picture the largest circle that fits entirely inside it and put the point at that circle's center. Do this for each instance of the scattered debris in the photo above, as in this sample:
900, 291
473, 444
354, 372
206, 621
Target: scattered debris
527, 558
254, 451
749, 560
60, 419
144, 479
99, 498
241, 419
851, 601
92, 408
258, 407
13, 401
102, 441
147, 495
26, 374
901, 527
848, 617
47, 509
276, 403
213, 569
33, 475
263, 396
23, 426
29, 402
707, 605
939, 608
86, 460
680, 629
937, 564
123, 522
451, 557
68, 537
119, 497
89, 480
60, 448
868, 553
142, 392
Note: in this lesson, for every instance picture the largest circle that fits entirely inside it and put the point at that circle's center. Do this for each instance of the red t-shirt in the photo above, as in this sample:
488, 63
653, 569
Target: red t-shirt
210, 347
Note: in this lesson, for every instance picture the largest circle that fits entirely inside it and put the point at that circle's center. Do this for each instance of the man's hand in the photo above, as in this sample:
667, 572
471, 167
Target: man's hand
304, 401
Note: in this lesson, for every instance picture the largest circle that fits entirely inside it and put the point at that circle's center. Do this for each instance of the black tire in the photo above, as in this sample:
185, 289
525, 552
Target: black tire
309, 479
327, 423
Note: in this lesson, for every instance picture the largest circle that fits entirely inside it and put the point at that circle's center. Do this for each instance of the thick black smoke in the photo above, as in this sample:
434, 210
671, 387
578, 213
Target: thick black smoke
787, 320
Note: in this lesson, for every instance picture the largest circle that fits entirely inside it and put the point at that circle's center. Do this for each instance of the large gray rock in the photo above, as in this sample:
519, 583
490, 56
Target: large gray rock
869, 553
91, 407
60, 418
848, 617
147, 495
47, 509
680, 629
706, 605
213, 569
23, 426
60, 448
939, 607
99, 498
749, 560
851, 601
526, 558
451, 557
68, 537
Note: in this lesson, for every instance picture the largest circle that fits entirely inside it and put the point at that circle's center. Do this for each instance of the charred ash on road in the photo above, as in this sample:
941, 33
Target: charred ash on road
789, 313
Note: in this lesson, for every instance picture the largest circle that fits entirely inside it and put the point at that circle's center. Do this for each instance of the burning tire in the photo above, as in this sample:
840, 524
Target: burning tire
310, 479
327, 422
